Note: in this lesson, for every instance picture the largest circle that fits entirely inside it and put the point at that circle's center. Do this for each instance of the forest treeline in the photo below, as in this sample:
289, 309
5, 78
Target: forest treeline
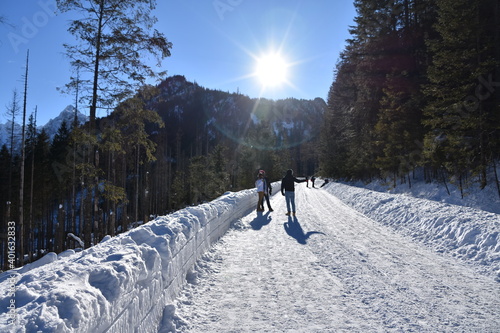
417, 88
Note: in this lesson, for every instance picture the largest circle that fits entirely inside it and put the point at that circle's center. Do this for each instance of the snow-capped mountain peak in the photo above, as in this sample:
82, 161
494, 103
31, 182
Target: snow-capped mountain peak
67, 115
51, 127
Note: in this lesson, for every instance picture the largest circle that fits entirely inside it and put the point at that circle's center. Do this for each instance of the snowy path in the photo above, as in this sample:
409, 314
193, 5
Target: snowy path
330, 270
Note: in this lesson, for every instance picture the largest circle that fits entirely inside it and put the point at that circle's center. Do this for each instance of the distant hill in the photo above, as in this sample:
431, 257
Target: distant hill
196, 115
204, 114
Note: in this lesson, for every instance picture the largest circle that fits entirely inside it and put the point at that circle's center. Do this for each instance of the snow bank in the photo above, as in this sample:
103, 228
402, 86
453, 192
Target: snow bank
464, 232
122, 284
486, 199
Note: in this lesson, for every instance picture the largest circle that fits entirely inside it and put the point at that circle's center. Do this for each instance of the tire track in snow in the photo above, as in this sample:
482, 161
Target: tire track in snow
410, 287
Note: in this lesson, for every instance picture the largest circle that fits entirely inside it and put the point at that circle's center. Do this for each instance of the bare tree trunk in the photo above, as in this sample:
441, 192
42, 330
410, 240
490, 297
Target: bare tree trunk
31, 222
81, 223
13, 111
496, 177
124, 218
59, 236
137, 185
95, 212
72, 225
87, 218
93, 106
444, 181
146, 198
21, 184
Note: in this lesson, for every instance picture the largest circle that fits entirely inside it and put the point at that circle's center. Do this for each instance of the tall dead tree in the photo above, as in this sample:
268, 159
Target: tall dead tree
23, 157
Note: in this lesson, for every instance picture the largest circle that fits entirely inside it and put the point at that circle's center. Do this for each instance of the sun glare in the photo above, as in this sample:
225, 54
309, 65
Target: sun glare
271, 70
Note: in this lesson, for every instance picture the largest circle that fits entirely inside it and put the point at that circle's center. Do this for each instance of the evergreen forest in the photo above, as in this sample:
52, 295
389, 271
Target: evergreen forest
417, 89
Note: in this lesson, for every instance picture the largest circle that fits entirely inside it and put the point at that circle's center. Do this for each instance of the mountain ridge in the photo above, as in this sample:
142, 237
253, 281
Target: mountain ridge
51, 127
235, 115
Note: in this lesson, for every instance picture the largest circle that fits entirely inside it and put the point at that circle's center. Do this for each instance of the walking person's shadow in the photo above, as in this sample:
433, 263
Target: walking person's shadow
294, 229
260, 221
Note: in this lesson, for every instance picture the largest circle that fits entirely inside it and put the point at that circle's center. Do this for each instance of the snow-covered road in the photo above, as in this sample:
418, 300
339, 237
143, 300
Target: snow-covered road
330, 269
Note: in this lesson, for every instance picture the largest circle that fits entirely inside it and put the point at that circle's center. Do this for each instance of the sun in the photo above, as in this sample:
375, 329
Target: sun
271, 70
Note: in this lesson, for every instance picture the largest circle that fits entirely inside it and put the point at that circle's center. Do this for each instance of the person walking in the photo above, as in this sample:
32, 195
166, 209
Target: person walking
288, 190
268, 190
259, 184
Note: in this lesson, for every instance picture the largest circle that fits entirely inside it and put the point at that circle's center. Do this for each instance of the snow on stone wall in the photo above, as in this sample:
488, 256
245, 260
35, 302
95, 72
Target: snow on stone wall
123, 283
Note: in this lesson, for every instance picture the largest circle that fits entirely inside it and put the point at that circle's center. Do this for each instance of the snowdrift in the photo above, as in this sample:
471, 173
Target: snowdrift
124, 283
463, 232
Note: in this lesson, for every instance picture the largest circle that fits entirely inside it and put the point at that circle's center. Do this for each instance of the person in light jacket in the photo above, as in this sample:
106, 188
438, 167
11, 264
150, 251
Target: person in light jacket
260, 185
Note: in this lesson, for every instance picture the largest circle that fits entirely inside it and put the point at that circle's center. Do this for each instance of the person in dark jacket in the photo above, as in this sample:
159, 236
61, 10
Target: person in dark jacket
288, 190
313, 179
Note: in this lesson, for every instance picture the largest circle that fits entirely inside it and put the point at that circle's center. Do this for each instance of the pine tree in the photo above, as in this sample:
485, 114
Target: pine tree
200, 177
87, 174
161, 184
398, 130
179, 193
43, 192
60, 156
133, 116
337, 131
460, 122
114, 193
373, 119
219, 166
115, 36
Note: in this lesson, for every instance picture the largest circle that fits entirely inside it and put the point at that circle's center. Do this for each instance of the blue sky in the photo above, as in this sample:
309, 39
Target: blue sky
216, 43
